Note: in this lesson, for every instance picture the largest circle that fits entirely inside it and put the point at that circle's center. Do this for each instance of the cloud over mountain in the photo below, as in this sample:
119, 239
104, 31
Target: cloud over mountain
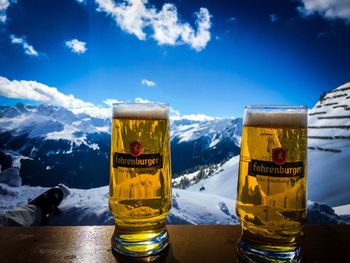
36, 91
33, 90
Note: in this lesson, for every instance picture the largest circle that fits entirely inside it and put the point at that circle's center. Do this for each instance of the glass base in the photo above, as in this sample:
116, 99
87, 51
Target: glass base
255, 253
136, 245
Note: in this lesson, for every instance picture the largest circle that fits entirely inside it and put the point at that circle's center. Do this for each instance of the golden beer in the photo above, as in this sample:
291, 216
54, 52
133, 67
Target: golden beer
140, 178
271, 194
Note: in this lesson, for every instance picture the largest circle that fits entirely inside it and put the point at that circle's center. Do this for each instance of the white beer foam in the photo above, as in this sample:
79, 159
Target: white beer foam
141, 111
275, 119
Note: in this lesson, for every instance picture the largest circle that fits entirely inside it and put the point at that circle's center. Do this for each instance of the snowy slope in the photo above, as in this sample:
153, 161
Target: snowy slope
328, 170
90, 207
198, 208
223, 183
328, 156
342, 210
329, 148
329, 177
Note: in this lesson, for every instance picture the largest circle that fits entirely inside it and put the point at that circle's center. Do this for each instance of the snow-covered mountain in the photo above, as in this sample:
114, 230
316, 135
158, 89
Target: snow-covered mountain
203, 142
53, 145
329, 148
90, 207
208, 189
328, 157
50, 122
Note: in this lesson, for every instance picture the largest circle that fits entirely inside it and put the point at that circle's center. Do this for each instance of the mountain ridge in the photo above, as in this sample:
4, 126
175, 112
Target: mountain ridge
52, 144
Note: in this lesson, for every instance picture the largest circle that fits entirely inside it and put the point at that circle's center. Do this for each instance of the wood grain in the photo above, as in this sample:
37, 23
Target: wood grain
214, 243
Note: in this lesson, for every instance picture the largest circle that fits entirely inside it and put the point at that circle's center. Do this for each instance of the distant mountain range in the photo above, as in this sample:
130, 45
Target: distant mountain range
52, 145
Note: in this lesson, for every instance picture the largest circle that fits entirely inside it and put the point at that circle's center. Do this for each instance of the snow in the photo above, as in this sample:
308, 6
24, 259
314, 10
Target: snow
65, 189
210, 201
342, 210
329, 155
85, 207
328, 177
16, 158
71, 134
51, 123
66, 134
57, 123
214, 129
223, 184
189, 176
90, 207
328, 160
11, 177
197, 208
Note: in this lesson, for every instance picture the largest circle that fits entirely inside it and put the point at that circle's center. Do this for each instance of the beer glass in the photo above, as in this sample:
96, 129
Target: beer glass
140, 178
271, 190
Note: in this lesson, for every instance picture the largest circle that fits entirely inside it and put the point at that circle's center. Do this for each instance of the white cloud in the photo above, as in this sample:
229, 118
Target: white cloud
273, 18
330, 9
77, 46
33, 90
141, 100
4, 4
148, 83
193, 117
173, 112
110, 102
176, 115
133, 17
28, 49
231, 19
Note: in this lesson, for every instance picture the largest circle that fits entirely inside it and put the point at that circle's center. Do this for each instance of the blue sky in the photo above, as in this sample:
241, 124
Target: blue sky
238, 52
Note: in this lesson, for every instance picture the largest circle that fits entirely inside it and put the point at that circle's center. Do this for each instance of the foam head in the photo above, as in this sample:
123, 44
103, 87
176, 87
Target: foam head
140, 111
276, 118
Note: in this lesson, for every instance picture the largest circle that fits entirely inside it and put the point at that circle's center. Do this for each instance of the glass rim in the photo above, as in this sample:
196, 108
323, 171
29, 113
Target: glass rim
283, 106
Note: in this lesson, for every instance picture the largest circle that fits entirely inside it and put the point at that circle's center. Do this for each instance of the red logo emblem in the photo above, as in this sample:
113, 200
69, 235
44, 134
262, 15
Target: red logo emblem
135, 148
279, 155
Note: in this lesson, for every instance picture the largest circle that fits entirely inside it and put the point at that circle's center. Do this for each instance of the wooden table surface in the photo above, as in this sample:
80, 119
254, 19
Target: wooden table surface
214, 243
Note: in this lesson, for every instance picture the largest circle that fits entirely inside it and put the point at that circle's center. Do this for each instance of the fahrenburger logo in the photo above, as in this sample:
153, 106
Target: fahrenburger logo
279, 167
136, 159
135, 148
279, 155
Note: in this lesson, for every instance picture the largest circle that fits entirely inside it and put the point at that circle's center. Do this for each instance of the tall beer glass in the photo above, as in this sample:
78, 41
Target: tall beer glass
271, 191
140, 178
